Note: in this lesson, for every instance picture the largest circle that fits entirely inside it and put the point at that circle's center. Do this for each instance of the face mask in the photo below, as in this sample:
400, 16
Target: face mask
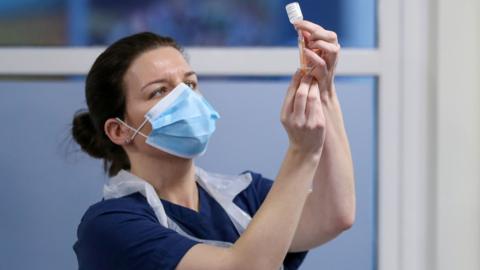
182, 123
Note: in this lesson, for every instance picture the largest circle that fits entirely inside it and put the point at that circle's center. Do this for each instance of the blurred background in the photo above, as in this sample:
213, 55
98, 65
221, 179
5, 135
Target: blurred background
192, 23
416, 190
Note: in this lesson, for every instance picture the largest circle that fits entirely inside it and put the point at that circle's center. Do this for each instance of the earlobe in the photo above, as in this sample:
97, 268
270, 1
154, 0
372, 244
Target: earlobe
116, 132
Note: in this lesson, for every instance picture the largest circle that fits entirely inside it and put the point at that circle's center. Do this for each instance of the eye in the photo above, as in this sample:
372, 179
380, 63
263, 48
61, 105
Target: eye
191, 84
159, 92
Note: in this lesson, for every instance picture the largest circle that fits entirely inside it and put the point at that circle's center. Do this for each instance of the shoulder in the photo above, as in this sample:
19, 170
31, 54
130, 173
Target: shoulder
108, 219
124, 233
258, 180
132, 204
252, 197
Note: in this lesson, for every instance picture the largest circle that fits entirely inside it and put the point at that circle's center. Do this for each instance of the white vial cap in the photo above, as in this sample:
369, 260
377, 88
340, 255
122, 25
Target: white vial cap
294, 12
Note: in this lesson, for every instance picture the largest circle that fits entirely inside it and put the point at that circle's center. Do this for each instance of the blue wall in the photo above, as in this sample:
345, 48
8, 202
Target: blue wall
47, 184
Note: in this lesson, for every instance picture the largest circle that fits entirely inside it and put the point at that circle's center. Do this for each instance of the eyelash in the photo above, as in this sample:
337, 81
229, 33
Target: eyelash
193, 84
162, 90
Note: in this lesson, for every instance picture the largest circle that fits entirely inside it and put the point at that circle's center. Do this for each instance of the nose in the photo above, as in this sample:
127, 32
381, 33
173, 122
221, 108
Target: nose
176, 81
175, 77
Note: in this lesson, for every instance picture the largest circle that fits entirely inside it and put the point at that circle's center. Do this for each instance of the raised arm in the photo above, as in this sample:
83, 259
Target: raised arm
331, 207
268, 237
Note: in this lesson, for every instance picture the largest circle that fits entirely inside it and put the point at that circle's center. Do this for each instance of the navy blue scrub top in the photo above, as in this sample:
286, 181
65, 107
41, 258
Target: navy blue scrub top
124, 233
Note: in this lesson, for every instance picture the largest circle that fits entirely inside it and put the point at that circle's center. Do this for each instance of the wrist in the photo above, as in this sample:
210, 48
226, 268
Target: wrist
330, 100
303, 155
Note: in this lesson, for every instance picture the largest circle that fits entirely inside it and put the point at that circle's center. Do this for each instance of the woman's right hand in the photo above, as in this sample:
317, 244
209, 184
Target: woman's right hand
260, 247
302, 115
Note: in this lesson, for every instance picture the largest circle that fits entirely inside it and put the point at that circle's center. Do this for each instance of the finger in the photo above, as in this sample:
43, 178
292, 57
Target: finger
295, 81
320, 114
319, 57
306, 25
300, 99
287, 107
316, 31
326, 35
317, 63
306, 35
317, 116
312, 101
324, 46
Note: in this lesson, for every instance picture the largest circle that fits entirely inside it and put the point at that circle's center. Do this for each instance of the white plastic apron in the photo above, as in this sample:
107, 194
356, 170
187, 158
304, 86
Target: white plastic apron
223, 188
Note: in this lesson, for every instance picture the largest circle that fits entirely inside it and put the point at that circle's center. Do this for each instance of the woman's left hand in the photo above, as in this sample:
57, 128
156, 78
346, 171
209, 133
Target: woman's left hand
321, 52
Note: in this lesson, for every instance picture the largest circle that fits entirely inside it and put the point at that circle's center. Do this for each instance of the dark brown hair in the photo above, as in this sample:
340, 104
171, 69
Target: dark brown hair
105, 96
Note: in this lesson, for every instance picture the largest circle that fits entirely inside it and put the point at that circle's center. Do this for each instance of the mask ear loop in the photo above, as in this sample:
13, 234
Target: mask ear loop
137, 131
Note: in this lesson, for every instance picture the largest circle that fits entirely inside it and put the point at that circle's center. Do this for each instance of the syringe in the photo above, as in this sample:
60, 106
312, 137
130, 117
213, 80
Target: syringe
294, 14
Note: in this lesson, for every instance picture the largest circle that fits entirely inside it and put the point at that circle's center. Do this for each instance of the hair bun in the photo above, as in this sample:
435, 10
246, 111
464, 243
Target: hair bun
85, 134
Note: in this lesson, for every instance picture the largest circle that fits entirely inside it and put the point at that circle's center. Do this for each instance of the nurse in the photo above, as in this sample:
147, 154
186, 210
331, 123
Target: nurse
147, 120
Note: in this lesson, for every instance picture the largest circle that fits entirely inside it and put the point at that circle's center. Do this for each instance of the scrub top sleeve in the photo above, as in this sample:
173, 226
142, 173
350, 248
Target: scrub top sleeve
125, 240
261, 186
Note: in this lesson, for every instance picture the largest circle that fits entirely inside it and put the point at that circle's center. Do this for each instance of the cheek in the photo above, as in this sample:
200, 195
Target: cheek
147, 128
135, 104
135, 114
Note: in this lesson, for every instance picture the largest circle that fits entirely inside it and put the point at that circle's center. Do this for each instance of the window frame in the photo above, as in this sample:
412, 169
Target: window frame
399, 174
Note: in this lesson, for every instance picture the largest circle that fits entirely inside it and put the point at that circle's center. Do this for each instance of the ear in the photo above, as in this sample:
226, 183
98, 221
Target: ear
117, 132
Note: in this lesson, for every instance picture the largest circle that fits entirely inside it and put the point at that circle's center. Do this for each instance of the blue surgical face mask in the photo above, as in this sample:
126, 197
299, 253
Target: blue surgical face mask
182, 123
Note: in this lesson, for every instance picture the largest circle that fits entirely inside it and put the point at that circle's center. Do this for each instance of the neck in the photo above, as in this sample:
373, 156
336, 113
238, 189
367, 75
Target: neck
173, 178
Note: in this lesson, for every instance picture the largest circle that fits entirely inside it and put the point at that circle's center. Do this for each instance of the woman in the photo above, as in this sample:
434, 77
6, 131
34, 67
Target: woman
147, 121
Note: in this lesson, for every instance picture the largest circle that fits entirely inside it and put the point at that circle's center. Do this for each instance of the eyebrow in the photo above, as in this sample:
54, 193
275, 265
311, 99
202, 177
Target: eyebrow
187, 74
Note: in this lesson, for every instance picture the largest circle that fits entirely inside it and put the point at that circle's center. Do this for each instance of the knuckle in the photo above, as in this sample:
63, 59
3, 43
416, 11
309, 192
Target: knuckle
320, 124
311, 98
300, 94
322, 63
298, 124
336, 49
333, 35
310, 126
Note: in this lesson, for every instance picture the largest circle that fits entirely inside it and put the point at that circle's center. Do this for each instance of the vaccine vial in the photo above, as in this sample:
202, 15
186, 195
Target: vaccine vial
294, 14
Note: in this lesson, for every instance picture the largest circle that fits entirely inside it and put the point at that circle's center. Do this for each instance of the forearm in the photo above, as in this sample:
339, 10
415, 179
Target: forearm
269, 235
334, 188
331, 207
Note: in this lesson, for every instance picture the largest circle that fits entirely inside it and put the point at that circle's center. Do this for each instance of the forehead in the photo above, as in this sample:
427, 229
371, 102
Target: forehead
156, 64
